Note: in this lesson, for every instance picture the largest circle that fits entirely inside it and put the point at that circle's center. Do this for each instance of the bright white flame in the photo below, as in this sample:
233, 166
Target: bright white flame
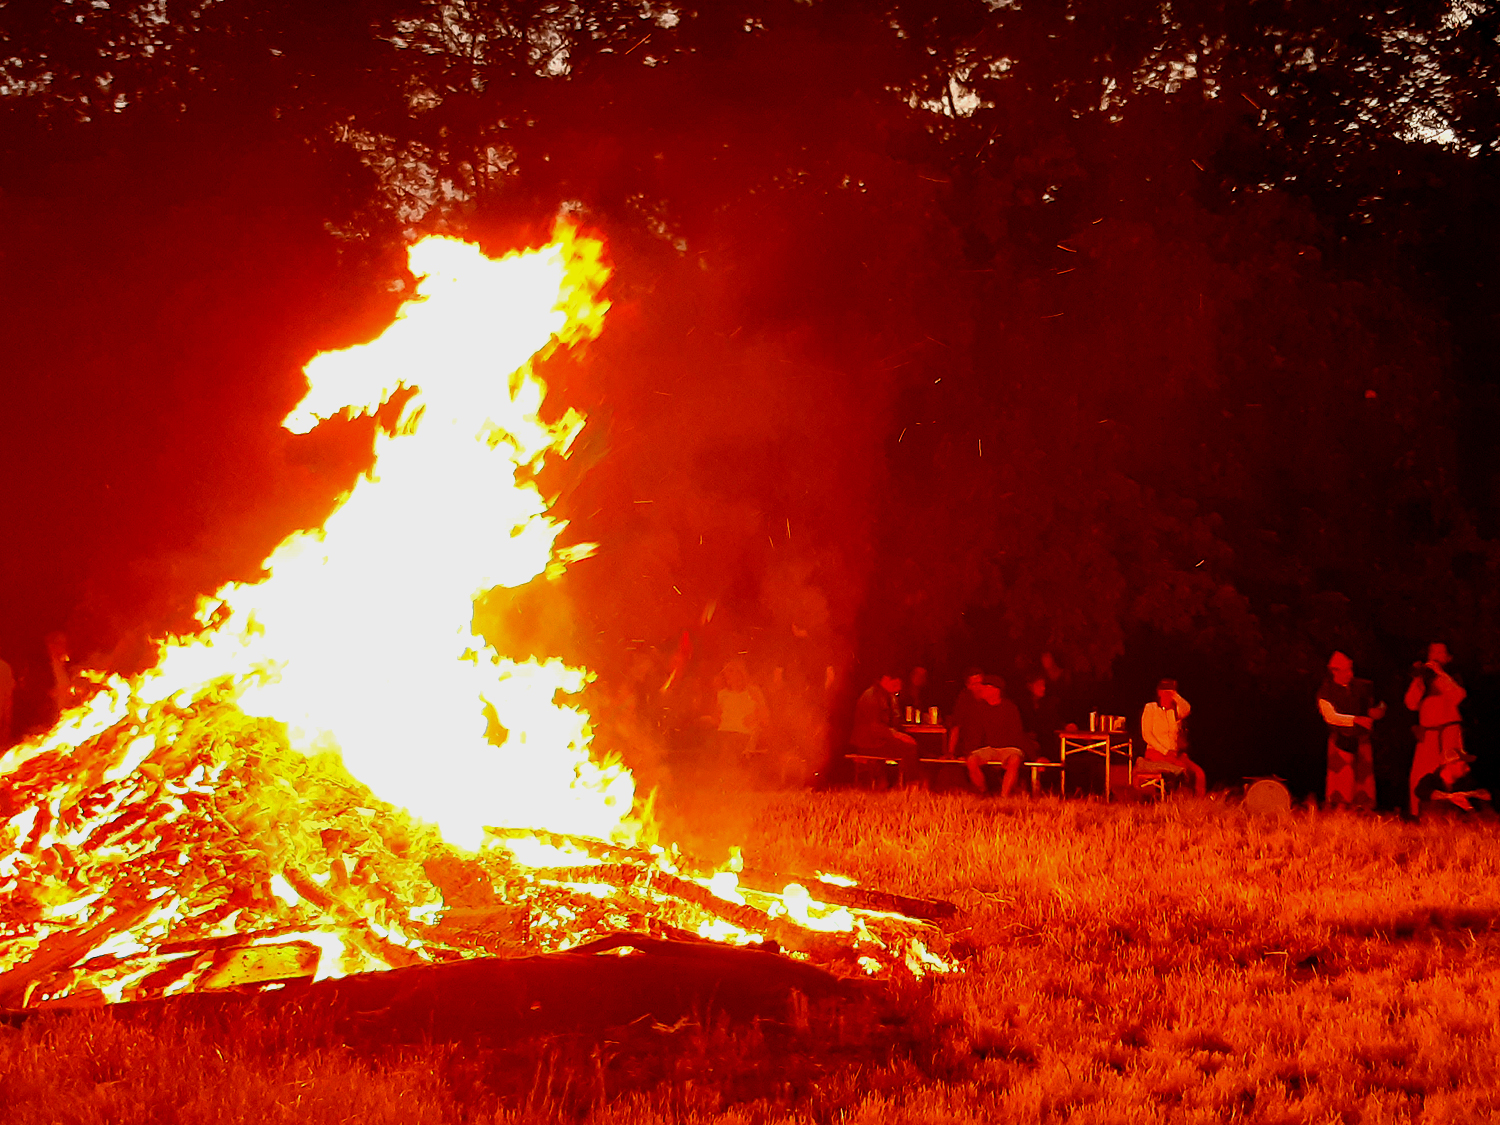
284, 890
370, 619
717, 929
531, 852
920, 960
801, 906
726, 885
361, 639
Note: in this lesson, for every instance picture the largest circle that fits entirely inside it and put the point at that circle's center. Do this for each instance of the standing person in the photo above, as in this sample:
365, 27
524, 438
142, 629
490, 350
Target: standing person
877, 725
1349, 711
1166, 744
1440, 760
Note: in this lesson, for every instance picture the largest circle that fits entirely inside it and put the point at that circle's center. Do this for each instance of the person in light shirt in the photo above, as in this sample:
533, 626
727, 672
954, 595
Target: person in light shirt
1440, 765
740, 711
1161, 728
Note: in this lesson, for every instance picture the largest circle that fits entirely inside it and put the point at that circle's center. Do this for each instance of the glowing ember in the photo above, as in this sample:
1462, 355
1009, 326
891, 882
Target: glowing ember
239, 814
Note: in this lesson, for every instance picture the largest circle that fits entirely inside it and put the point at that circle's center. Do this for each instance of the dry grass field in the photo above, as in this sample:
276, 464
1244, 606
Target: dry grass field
1183, 962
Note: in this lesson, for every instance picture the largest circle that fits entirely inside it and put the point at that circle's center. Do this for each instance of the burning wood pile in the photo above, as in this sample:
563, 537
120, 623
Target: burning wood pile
193, 849
297, 793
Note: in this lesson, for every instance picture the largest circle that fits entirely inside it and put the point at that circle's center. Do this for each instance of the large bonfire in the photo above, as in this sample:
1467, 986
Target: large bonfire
335, 774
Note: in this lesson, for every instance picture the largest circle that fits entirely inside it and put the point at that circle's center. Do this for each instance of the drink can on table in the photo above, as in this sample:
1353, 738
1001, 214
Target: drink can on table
932, 716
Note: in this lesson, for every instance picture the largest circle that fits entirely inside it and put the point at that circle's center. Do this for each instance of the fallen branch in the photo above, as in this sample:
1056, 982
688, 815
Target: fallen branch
609, 983
861, 898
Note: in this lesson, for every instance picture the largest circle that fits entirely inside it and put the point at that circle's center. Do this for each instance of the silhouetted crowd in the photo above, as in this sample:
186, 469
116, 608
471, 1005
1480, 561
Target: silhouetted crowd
984, 728
769, 735
896, 723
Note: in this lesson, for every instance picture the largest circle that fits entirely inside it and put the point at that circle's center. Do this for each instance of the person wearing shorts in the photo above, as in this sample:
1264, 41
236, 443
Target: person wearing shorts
986, 728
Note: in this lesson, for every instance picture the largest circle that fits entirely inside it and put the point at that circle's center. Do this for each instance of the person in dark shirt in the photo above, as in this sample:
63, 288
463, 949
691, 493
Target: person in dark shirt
877, 725
1063, 688
986, 727
966, 707
1349, 711
914, 692
1041, 715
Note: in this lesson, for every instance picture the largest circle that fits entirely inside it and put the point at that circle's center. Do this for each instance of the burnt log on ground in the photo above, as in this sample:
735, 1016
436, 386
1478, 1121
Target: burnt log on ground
862, 898
837, 894
616, 981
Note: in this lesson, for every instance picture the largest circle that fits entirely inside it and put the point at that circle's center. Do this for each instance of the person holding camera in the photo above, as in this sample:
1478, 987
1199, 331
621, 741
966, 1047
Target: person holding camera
1440, 761
1349, 711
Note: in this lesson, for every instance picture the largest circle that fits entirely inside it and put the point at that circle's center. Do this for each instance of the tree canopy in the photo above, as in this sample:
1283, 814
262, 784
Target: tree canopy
943, 329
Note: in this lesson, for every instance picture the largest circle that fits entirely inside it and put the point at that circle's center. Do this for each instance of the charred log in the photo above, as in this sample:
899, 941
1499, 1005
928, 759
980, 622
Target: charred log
615, 981
862, 898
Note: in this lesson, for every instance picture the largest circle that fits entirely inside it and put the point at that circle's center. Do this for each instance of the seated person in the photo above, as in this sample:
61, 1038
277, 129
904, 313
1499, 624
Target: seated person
914, 693
877, 725
986, 727
1040, 716
740, 712
969, 698
1166, 748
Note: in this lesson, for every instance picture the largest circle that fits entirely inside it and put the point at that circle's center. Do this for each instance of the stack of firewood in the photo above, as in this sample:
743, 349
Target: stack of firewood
188, 847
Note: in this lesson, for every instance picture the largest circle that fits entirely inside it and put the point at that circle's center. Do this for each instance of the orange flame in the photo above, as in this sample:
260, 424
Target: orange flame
361, 636
361, 640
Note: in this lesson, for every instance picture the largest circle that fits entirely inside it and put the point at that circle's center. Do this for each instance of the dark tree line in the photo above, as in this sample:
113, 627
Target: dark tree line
1141, 333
